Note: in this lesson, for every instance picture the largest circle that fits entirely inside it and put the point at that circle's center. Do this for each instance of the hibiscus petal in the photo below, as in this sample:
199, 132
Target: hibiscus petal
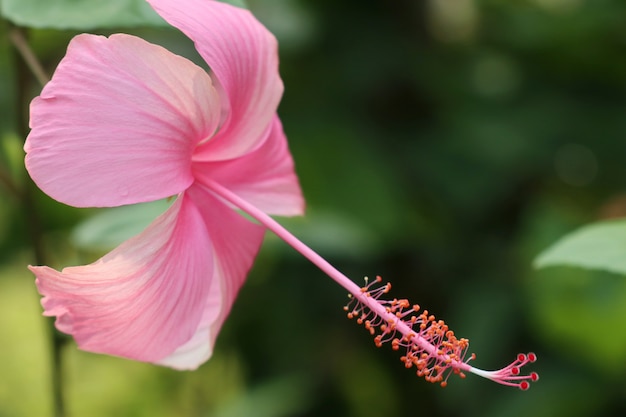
236, 242
264, 177
243, 56
144, 299
200, 347
118, 123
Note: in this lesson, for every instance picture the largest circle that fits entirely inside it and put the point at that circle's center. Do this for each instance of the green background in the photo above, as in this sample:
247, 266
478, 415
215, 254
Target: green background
440, 144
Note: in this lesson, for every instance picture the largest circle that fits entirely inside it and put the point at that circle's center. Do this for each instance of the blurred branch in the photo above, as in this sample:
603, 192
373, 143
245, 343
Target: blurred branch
9, 185
18, 39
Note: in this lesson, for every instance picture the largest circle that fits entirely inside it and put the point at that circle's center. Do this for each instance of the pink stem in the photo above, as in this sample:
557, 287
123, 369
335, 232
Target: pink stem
327, 268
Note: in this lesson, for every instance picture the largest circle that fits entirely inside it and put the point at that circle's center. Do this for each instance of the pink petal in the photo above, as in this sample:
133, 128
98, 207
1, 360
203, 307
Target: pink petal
200, 347
118, 123
243, 57
142, 300
264, 177
236, 242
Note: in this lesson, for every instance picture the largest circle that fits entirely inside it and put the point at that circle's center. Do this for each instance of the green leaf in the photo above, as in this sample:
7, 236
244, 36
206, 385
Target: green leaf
80, 14
84, 14
110, 227
599, 246
239, 3
580, 314
330, 233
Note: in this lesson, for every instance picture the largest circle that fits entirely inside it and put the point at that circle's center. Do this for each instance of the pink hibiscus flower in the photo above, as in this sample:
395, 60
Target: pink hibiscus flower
123, 121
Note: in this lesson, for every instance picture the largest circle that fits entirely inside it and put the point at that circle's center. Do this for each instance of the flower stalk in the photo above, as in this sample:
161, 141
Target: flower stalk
431, 347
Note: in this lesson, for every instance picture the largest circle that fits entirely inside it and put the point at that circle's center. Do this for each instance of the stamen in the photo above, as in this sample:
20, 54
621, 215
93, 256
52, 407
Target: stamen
428, 344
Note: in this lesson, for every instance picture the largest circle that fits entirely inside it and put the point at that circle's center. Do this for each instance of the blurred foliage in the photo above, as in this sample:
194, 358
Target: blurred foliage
441, 144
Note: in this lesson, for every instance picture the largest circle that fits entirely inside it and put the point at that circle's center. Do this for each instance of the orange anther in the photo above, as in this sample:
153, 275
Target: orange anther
432, 348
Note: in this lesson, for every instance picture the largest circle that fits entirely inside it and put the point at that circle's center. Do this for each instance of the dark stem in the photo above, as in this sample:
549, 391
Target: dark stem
18, 38
30, 63
56, 339
9, 185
